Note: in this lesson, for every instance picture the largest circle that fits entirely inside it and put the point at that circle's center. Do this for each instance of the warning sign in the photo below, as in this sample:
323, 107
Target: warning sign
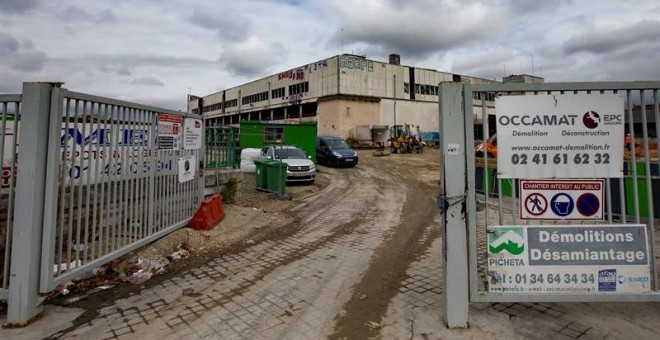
169, 132
574, 200
192, 134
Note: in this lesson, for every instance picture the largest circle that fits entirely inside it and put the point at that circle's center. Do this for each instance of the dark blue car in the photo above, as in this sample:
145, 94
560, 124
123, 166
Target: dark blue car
334, 151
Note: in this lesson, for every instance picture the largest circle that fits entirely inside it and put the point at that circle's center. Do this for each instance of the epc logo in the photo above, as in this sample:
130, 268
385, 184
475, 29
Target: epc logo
591, 119
613, 119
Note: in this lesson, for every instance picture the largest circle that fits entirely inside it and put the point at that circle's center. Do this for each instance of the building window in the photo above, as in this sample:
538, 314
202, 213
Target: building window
299, 88
277, 93
417, 88
406, 88
273, 134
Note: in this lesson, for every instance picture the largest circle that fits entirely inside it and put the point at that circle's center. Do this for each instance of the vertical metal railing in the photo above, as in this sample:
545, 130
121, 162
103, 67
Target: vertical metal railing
114, 190
10, 107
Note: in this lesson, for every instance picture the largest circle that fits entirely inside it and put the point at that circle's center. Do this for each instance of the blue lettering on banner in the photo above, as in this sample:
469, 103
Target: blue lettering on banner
102, 137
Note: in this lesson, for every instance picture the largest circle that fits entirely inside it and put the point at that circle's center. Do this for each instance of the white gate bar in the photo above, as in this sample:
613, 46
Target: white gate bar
453, 153
649, 187
24, 302
15, 101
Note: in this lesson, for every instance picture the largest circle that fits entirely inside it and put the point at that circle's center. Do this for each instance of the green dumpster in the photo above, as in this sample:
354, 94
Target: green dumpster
261, 181
276, 176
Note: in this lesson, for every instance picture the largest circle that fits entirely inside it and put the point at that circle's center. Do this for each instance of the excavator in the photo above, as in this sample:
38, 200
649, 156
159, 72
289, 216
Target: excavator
402, 140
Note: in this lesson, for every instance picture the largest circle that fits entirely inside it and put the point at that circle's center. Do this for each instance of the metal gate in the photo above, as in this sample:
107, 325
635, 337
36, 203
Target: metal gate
9, 109
628, 200
97, 178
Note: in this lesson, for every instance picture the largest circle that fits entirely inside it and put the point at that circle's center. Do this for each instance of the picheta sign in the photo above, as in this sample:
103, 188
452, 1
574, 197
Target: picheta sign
589, 259
560, 136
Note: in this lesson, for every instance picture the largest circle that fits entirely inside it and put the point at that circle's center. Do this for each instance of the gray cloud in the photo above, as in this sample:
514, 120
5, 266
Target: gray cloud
531, 6
599, 42
8, 44
229, 24
176, 104
21, 56
150, 81
404, 28
73, 13
123, 71
252, 58
30, 61
124, 62
17, 6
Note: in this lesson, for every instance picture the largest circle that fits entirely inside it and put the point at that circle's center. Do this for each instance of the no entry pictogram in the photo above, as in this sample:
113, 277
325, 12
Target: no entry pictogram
536, 204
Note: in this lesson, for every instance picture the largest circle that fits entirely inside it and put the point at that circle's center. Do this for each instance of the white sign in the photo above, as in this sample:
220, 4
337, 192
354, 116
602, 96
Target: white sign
555, 136
575, 200
192, 134
585, 259
453, 149
169, 132
186, 168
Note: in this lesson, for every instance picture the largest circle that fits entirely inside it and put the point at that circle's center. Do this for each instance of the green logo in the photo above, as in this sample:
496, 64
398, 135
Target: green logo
509, 239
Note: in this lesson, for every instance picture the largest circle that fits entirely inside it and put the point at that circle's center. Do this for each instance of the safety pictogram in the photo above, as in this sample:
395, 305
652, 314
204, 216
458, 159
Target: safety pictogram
562, 204
588, 204
580, 200
536, 204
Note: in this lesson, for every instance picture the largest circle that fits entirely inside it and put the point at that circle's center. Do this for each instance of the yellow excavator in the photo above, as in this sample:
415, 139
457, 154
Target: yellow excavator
401, 138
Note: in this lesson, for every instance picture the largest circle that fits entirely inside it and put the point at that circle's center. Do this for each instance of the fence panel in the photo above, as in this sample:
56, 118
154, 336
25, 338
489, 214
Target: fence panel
628, 200
10, 106
114, 182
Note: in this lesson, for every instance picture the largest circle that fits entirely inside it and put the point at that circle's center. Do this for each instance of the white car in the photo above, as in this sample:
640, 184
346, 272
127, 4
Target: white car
300, 167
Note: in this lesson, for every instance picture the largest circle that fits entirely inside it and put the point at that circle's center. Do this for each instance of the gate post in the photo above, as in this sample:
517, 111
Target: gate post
24, 300
453, 175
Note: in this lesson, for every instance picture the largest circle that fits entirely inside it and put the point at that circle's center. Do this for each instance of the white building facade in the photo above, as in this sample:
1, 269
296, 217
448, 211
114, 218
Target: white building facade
340, 93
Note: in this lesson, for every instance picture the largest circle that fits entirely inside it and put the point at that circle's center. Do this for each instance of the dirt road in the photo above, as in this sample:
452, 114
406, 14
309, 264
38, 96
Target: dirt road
347, 252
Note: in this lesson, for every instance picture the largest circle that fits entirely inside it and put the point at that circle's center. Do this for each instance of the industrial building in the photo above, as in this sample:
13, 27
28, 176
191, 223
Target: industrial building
341, 93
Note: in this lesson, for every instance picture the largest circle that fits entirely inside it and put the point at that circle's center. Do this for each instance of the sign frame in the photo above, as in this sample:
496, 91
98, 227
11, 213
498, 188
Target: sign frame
548, 188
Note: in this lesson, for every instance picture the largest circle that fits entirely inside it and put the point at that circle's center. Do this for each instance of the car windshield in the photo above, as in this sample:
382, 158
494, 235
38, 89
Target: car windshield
289, 153
337, 144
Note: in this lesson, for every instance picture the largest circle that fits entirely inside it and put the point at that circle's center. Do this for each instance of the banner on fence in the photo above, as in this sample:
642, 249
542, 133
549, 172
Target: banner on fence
585, 259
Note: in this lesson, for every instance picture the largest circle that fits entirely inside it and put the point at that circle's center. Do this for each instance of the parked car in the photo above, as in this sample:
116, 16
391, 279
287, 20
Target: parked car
300, 167
334, 151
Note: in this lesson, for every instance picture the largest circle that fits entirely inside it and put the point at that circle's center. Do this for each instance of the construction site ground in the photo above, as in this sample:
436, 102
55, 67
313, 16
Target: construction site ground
357, 255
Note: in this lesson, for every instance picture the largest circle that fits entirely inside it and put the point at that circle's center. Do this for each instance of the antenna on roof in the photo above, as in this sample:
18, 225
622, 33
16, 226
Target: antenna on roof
342, 40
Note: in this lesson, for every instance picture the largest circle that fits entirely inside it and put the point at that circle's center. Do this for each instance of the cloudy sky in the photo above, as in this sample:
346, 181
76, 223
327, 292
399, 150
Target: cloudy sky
157, 51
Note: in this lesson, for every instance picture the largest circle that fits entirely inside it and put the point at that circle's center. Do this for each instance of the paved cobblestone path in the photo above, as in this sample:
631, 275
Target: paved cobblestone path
332, 278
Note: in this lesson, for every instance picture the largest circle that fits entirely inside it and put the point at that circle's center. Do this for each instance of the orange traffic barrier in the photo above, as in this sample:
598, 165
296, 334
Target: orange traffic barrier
209, 213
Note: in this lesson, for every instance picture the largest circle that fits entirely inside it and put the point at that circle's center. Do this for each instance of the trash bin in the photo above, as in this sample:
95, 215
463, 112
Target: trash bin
261, 173
276, 174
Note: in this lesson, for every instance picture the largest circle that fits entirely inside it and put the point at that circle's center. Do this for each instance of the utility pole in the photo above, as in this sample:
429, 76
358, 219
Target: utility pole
394, 87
